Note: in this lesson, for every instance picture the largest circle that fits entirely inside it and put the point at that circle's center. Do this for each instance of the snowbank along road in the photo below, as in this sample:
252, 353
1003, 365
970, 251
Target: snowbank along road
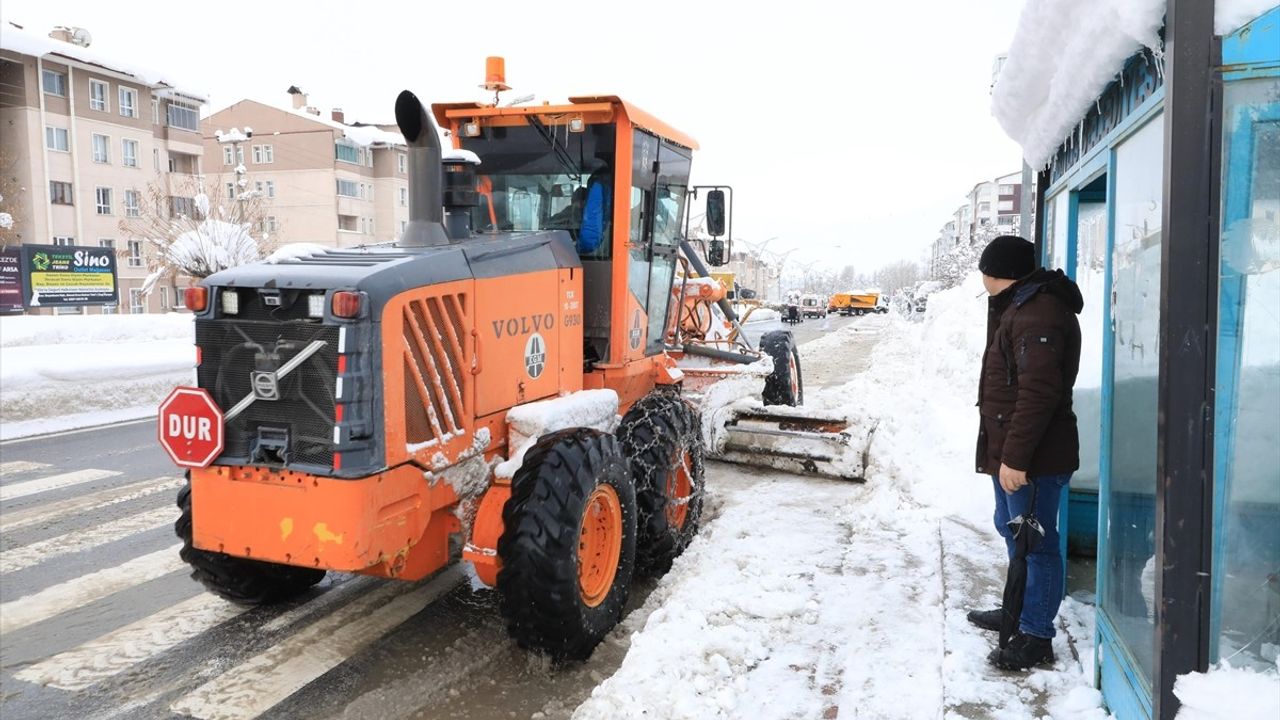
801, 598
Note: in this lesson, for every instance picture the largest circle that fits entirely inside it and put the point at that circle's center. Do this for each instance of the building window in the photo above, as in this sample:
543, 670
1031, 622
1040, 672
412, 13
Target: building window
155, 111
183, 206
228, 155
348, 223
402, 162
128, 102
184, 117
103, 195
56, 138
155, 158
348, 153
404, 197
164, 300
137, 303
1007, 220
1005, 206
60, 193
129, 153
179, 301
269, 224
264, 154
107, 243
54, 83
108, 309
98, 96
134, 259
267, 188
132, 203
1008, 189
984, 207
63, 240
348, 188
231, 190
404, 225
101, 148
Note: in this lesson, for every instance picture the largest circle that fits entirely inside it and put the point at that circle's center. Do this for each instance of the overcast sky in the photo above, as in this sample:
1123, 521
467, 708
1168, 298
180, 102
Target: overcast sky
849, 131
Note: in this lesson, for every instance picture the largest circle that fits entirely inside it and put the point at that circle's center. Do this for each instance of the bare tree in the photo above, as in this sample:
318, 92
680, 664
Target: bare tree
198, 226
12, 195
897, 276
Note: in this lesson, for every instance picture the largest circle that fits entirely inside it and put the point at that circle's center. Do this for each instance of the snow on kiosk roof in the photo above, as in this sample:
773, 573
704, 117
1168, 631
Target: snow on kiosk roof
592, 109
1065, 53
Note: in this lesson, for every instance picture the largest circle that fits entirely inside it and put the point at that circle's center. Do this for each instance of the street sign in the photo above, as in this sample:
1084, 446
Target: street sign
190, 427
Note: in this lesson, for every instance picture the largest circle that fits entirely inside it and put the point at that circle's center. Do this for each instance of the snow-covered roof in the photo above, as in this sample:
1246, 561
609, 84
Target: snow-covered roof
16, 38
1065, 53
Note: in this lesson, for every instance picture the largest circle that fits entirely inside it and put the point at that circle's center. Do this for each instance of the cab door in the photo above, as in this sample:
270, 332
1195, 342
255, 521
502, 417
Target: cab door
660, 181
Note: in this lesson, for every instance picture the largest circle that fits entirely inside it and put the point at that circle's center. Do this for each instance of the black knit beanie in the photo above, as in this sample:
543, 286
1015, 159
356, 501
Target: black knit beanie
1008, 257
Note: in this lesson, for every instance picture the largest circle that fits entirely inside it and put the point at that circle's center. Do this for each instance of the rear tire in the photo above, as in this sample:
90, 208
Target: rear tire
785, 385
662, 438
240, 580
569, 545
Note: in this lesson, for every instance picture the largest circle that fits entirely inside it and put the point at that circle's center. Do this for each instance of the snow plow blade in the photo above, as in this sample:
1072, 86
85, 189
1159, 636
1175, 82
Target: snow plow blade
788, 439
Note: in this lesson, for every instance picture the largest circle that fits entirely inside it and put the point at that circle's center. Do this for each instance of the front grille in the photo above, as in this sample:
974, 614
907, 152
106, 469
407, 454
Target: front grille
297, 428
435, 366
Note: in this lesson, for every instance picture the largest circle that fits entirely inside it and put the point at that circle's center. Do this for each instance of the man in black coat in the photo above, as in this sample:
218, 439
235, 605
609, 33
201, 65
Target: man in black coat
1028, 431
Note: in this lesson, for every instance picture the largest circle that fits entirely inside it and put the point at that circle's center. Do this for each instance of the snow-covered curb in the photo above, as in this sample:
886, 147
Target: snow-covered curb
808, 598
67, 372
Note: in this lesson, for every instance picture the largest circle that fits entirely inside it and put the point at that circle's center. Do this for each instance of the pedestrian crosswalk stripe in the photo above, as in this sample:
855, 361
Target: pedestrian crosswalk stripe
79, 540
53, 482
55, 600
44, 514
20, 466
132, 644
260, 683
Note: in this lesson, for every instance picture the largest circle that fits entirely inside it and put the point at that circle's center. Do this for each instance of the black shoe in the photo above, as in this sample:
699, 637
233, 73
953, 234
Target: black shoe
1023, 652
986, 619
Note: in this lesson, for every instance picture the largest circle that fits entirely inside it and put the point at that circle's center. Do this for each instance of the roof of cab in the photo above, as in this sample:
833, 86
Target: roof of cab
444, 112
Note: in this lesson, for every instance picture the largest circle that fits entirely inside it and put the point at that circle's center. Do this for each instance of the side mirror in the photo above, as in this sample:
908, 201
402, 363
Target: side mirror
715, 253
715, 213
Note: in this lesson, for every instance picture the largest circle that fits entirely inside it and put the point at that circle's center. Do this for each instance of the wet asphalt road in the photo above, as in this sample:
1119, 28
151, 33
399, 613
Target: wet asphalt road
810, 329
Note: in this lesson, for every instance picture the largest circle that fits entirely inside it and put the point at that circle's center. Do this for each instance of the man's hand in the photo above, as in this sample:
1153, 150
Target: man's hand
1011, 479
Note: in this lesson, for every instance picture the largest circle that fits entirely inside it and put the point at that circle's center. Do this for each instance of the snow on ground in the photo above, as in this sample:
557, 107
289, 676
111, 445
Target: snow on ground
810, 598
1228, 693
64, 372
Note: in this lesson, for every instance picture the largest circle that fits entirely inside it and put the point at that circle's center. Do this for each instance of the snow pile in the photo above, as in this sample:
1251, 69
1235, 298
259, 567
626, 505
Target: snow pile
1227, 693
295, 251
213, 246
526, 423
63, 372
1066, 52
812, 598
761, 314
6, 221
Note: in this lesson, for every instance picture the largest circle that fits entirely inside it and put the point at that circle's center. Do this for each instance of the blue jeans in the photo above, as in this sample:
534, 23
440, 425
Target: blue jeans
1044, 564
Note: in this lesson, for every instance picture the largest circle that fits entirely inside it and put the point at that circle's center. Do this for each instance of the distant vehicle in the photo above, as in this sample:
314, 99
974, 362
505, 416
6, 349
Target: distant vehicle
813, 305
857, 303
918, 297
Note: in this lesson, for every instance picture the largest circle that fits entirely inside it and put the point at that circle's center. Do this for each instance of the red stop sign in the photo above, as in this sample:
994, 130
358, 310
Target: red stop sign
190, 427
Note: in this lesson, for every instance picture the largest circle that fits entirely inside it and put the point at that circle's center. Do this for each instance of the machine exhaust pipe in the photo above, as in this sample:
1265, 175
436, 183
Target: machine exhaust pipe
426, 199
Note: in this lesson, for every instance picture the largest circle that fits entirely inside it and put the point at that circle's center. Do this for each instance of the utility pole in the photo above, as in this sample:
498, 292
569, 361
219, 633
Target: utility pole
1025, 203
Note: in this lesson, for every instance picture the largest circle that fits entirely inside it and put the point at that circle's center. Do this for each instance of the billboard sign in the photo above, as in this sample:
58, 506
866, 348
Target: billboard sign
67, 275
10, 280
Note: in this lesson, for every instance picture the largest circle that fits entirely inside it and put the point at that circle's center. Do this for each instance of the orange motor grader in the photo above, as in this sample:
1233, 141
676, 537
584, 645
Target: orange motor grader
391, 409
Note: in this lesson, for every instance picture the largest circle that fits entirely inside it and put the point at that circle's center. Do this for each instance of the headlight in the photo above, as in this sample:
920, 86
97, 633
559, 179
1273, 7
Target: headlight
230, 302
315, 305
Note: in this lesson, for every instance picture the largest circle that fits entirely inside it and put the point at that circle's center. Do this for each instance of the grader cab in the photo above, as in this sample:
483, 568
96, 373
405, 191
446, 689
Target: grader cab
393, 409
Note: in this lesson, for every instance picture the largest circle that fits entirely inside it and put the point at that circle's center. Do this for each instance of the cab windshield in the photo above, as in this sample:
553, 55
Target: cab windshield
536, 177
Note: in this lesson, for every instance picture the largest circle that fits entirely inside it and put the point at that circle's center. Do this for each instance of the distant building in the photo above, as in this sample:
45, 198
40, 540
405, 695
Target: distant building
84, 134
324, 181
991, 206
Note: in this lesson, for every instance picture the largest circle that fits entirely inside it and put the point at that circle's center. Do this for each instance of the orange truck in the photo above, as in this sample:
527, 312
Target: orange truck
392, 409
857, 303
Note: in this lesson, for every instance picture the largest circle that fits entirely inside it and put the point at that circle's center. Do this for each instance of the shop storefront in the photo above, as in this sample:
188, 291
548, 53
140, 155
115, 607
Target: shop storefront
1164, 205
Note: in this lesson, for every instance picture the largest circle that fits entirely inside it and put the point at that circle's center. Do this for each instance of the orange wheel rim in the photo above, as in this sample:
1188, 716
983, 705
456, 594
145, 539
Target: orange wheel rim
679, 489
599, 545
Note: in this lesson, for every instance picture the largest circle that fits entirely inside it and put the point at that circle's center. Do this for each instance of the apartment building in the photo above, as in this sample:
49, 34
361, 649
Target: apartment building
323, 180
990, 206
83, 136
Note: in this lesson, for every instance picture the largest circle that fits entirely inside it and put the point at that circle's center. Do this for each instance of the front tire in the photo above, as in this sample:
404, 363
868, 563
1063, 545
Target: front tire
240, 580
662, 438
569, 545
785, 385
